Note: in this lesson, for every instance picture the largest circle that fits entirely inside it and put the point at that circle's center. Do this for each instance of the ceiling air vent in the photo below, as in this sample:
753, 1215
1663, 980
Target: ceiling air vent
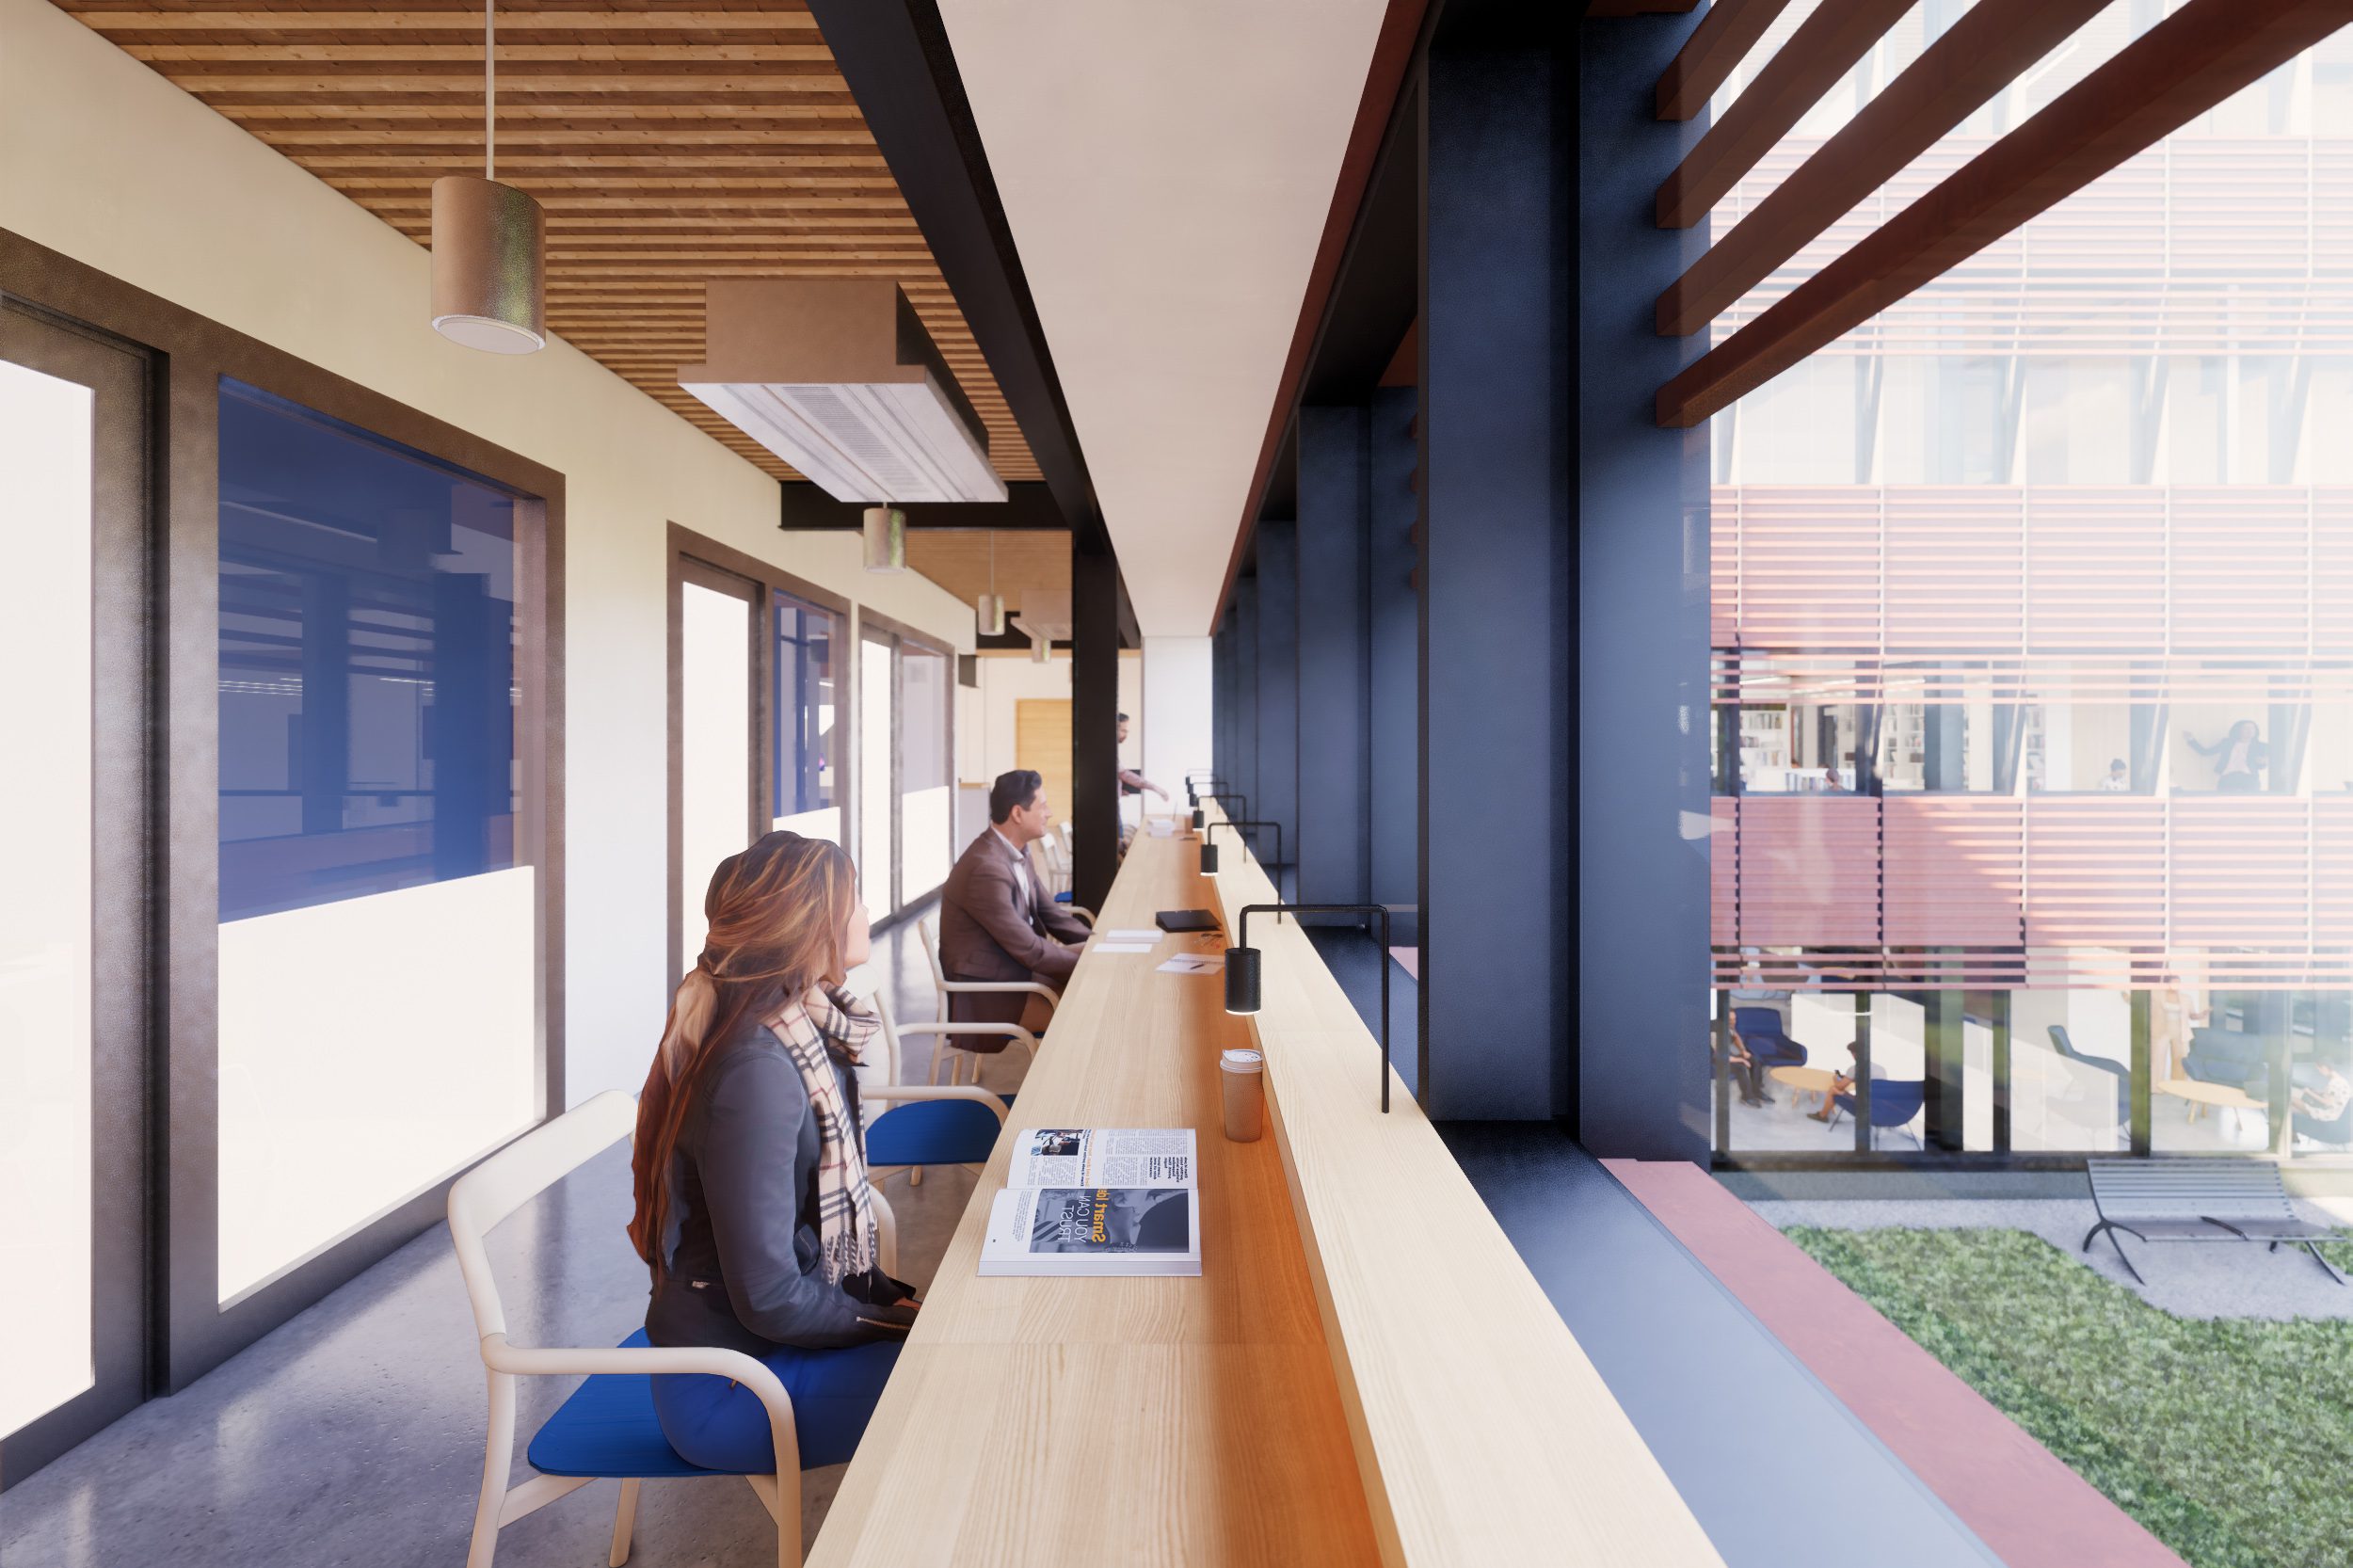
840, 380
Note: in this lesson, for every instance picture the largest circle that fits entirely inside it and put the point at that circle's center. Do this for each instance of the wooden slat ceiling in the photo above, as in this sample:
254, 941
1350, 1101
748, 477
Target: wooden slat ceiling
670, 142
1028, 559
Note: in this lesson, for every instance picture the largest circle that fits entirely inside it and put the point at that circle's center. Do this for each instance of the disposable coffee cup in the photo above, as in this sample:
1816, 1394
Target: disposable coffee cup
1244, 1074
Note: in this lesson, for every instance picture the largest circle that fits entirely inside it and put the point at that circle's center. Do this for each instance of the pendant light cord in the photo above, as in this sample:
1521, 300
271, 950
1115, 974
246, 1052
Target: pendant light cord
489, 89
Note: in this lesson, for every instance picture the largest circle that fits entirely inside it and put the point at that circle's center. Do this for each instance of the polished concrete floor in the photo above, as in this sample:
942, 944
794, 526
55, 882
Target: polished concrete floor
353, 1435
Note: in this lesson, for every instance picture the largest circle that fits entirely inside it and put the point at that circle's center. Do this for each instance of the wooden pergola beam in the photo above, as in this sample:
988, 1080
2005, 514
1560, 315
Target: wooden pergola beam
2179, 68
1725, 35
1982, 53
1823, 49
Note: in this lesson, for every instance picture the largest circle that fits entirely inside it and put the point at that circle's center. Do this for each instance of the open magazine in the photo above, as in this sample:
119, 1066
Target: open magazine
1097, 1201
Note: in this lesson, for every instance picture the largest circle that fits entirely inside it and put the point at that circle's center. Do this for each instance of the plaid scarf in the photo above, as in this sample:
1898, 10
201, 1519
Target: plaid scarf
834, 1030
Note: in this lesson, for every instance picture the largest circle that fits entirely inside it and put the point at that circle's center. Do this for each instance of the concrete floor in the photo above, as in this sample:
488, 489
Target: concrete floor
2187, 1279
353, 1434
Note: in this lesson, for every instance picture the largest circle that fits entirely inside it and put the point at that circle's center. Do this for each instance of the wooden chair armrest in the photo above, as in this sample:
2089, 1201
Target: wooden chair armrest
1010, 1031
907, 1092
999, 988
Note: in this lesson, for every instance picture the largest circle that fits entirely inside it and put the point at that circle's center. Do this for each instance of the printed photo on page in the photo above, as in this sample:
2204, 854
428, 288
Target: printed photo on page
1103, 1156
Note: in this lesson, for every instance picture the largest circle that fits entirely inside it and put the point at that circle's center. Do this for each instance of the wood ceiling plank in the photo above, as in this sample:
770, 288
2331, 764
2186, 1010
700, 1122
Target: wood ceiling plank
466, 21
522, 58
1979, 55
1823, 49
1707, 57
2181, 67
669, 141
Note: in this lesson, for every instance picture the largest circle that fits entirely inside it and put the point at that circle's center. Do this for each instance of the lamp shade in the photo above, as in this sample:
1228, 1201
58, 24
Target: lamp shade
1241, 980
989, 616
885, 531
1208, 858
1197, 818
1041, 651
489, 265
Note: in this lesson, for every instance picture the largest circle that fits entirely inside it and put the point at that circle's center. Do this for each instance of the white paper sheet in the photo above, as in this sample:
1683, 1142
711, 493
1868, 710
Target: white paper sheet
1146, 934
1121, 947
1194, 963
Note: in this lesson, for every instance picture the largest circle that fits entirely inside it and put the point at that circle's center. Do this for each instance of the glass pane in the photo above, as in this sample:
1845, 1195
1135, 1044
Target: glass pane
807, 731
926, 784
715, 745
2070, 1062
46, 1328
874, 788
378, 989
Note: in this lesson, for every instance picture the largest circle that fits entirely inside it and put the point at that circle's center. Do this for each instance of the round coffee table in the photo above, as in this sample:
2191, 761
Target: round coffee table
2197, 1091
1805, 1081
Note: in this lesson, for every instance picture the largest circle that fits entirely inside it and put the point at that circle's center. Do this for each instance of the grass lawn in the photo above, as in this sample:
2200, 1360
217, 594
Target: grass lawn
2230, 1441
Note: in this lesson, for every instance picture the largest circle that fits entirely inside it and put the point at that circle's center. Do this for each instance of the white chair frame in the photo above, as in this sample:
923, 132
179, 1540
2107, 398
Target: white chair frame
895, 1092
494, 1190
946, 988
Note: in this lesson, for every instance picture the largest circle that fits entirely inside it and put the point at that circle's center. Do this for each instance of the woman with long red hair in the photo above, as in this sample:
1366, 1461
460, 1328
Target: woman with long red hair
753, 1209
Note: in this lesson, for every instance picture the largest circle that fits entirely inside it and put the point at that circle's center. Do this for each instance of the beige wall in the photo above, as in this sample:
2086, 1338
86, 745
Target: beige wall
103, 160
984, 739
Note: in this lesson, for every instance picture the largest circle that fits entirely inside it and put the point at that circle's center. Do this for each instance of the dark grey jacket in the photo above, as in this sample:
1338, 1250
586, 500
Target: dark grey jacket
741, 1237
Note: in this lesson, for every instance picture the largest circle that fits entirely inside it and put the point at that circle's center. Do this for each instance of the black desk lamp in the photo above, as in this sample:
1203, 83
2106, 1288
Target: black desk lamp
1208, 850
1242, 965
1198, 815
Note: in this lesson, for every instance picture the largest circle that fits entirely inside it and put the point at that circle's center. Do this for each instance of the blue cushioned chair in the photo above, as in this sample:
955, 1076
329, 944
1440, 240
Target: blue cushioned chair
909, 1126
1895, 1102
1761, 1032
607, 1428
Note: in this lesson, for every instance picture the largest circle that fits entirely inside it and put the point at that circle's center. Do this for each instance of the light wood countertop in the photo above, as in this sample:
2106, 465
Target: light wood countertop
1188, 1422
1364, 1371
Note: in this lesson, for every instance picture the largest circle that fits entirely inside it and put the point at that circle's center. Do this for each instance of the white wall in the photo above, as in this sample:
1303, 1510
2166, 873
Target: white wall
1177, 700
985, 743
106, 161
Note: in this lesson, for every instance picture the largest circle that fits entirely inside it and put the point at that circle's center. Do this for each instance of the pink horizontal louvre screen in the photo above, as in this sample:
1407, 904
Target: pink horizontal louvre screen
1955, 562
2095, 873
1809, 568
2095, 570
2242, 872
2331, 594
2333, 873
1724, 873
1723, 568
2242, 569
1809, 871
1955, 871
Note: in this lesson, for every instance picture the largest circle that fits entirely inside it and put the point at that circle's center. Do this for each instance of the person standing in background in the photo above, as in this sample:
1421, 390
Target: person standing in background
2239, 758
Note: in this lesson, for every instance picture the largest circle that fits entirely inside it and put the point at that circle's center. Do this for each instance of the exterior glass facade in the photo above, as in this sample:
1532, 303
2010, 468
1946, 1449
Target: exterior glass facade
2032, 618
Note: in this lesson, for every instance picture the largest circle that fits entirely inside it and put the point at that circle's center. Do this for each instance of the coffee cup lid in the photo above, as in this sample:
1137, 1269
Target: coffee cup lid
1243, 1062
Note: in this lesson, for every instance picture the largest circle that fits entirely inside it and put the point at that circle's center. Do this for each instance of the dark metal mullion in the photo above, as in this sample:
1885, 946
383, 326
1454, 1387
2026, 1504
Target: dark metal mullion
2140, 1083
2001, 1070
1861, 1072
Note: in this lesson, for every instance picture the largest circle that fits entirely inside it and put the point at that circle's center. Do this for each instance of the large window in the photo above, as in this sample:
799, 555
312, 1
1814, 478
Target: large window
378, 974
2045, 569
927, 785
807, 775
877, 711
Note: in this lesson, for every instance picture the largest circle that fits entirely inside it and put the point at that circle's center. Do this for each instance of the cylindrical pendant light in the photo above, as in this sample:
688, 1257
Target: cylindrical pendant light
1041, 648
885, 531
489, 244
989, 611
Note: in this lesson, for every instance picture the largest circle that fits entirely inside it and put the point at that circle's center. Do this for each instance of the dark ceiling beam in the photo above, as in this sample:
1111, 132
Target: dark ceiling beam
1030, 504
1393, 52
896, 56
1639, 8
1723, 38
1823, 49
2178, 69
1982, 53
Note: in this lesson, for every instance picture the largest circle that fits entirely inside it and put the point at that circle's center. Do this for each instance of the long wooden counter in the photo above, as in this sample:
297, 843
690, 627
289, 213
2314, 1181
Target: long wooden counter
1363, 1370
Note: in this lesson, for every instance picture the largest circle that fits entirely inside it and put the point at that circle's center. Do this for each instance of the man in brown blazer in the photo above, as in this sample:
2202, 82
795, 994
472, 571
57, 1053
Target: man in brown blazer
996, 922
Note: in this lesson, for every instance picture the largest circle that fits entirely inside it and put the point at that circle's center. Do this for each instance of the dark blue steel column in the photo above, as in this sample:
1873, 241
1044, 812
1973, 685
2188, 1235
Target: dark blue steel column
1642, 1005
1334, 752
1393, 672
1497, 812
1244, 774
1277, 798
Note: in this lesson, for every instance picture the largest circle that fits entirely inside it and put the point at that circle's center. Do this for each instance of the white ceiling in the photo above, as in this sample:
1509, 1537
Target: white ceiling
1166, 166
